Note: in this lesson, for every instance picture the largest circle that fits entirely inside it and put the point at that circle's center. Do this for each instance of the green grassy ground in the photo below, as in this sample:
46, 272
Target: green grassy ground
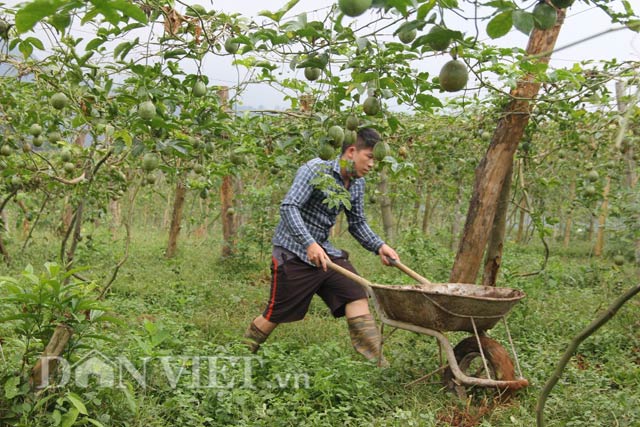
307, 373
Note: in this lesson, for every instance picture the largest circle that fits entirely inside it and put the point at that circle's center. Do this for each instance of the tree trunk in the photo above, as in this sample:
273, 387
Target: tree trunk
455, 223
228, 217
569, 220
4, 252
76, 237
176, 218
590, 229
493, 258
493, 169
116, 216
4, 220
602, 219
67, 215
48, 360
416, 206
385, 206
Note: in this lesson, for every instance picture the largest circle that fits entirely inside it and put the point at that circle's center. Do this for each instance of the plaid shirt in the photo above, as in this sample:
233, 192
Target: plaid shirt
304, 219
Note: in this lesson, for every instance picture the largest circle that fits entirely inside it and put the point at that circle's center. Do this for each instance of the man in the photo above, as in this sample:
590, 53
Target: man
301, 247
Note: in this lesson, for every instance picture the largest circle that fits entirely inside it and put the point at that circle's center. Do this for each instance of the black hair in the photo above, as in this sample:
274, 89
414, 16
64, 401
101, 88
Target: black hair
367, 138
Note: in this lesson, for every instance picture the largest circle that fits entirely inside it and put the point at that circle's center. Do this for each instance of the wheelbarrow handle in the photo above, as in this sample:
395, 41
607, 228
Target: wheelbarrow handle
420, 279
351, 275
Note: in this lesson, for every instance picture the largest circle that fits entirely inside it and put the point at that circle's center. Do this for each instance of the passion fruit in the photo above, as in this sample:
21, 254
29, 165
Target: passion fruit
231, 47
407, 36
35, 129
59, 100
336, 133
326, 152
199, 89
544, 16
562, 4
150, 161
312, 73
453, 76
146, 110
371, 106
380, 151
439, 38
352, 123
354, 7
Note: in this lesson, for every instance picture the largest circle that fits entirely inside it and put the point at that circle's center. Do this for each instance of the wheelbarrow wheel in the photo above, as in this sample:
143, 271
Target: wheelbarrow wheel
470, 362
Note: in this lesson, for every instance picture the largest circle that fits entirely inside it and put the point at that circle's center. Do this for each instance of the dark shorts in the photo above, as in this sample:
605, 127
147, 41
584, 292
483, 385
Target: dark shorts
294, 283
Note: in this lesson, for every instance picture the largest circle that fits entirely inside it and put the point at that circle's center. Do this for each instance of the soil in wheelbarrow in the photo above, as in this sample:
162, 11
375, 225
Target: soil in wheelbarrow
446, 306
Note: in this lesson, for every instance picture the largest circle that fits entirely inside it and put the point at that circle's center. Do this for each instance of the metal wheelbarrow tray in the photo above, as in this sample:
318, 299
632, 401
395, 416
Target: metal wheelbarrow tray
434, 308
446, 306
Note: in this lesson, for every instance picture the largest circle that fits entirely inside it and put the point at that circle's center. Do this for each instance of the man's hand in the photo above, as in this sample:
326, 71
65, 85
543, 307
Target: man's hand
387, 252
317, 255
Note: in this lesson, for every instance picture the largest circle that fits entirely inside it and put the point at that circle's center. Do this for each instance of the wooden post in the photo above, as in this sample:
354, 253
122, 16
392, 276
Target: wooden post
228, 217
49, 358
602, 219
306, 103
569, 220
455, 222
494, 167
176, 218
426, 215
385, 207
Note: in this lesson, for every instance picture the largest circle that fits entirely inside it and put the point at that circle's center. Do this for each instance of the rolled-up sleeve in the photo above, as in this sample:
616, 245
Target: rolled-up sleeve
298, 194
358, 226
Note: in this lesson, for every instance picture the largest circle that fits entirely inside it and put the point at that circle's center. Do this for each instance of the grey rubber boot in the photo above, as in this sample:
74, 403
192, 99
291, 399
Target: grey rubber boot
254, 337
366, 338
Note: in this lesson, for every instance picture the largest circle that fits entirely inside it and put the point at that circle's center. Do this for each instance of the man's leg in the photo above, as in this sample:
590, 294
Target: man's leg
258, 332
346, 297
357, 308
364, 333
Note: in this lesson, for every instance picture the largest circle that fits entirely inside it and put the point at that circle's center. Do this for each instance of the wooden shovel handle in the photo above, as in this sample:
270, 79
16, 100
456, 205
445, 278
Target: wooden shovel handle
358, 279
408, 271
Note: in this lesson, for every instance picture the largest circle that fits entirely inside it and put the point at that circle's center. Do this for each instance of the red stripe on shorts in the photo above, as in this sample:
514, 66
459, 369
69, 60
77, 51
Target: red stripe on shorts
273, 288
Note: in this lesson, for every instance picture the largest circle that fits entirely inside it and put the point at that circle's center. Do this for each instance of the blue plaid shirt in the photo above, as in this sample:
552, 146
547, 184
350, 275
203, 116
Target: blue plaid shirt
304, 219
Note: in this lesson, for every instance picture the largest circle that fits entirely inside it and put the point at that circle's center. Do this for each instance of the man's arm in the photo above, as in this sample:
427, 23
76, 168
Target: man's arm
297, 196
360, 230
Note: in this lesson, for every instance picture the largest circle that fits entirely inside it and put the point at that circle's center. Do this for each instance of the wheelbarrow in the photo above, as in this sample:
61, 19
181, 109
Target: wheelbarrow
434, 308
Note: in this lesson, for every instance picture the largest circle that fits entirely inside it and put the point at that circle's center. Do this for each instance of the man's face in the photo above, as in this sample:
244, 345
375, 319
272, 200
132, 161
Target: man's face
362, 160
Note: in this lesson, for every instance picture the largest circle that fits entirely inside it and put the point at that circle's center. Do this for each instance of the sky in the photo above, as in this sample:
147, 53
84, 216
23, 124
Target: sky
582, 21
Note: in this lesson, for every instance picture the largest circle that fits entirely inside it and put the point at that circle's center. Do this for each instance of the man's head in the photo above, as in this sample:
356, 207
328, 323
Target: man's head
360, 153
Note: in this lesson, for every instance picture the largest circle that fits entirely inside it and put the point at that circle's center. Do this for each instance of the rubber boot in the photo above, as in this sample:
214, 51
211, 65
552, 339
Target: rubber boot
366, 338
254, 337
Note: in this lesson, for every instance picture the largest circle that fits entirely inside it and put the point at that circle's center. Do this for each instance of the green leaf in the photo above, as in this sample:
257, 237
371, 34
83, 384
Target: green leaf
77, 402
523, 21
277, 16
94, 422
500, 24
424, 9
393, 122
428, 101
35, 42
11, 387
634, 25
174, 53
33, 12
410, 25
26, 48
69, 418
131, 10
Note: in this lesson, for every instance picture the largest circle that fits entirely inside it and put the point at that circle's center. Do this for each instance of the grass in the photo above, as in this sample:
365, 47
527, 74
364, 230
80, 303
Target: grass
308, 375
